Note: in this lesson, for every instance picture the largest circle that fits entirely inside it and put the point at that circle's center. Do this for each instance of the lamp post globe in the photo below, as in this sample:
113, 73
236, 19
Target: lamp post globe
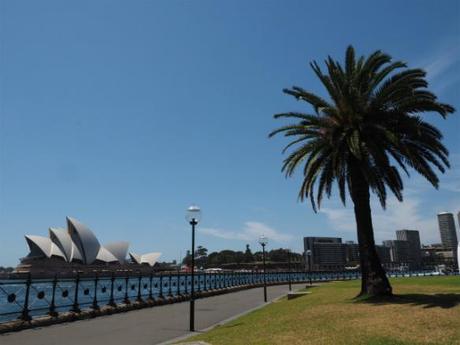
263, 242
193, 216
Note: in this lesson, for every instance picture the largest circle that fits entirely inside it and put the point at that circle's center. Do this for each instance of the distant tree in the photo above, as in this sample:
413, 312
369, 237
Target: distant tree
239, 257
227, 257
278, 255
213, 259
248, 257
187, 260
201, 256
258, 256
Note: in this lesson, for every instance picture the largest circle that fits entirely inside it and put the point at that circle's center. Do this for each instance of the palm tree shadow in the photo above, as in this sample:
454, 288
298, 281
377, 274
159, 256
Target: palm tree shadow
444, 300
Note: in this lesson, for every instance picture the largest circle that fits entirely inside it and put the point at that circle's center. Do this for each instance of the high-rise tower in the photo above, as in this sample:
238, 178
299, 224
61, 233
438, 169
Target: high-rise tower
413, 239
447, 229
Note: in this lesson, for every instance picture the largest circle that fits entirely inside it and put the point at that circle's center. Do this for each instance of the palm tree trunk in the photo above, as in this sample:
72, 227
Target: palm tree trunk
374, 281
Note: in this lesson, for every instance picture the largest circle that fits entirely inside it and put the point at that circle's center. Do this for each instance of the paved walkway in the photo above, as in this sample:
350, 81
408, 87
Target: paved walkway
145, 326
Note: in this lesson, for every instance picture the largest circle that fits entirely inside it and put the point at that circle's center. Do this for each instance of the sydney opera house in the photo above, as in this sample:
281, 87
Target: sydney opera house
77, 248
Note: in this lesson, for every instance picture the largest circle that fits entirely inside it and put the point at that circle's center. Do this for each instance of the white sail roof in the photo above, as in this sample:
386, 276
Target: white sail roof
61, 238
105, 256
42, 247
135, 258
39, 246
150, 258
84, 239
118, 249
76, 255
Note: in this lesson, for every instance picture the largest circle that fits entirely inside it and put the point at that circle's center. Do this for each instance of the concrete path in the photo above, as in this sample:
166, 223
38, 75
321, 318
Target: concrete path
146, 326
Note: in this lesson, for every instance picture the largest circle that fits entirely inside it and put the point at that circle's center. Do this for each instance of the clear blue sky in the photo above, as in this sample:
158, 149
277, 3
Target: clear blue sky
123, 113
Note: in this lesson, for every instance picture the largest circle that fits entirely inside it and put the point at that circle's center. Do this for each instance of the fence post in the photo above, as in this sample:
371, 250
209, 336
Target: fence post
139, 299
178, 283
126, 300
96, 280
204, 278
186, 283
75, 307
52, 311
112, 281
25, 310
161, 285
170, 284
151, 287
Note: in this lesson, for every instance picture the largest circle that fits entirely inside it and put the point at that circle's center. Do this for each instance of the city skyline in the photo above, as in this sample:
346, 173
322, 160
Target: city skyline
410, 236
127, 121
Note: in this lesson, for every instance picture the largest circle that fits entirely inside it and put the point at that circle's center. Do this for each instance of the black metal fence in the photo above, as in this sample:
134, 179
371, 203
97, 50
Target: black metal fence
26, 298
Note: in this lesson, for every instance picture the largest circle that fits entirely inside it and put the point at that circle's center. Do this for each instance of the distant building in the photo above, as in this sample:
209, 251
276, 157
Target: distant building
413, 239
351, 253
458, 218
399, 251
350, 249
327, 253
77, 248
447, 229
433, 256
384, 255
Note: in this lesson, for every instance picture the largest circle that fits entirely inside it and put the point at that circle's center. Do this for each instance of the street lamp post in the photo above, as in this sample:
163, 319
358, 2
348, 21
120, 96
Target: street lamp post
289, 269
309, 264
263, 242
193, 217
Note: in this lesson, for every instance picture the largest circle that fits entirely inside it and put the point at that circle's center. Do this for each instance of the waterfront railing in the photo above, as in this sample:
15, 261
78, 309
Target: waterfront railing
31, 297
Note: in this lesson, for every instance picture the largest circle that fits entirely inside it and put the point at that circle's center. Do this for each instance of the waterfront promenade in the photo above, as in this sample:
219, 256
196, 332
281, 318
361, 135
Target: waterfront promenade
146, 326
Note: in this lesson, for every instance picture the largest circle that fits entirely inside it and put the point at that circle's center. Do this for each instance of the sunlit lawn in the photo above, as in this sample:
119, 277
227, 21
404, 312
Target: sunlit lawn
425, 311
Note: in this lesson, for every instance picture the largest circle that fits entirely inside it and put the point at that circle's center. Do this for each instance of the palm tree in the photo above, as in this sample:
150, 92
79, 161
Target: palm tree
370, 126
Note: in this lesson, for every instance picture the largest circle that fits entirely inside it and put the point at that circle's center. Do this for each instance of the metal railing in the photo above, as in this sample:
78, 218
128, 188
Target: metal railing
27, 298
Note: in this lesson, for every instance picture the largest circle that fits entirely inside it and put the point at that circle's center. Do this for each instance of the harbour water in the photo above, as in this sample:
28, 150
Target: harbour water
83, 293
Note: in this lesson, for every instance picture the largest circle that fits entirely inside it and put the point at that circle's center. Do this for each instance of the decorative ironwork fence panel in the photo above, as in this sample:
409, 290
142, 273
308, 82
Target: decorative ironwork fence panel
33, 297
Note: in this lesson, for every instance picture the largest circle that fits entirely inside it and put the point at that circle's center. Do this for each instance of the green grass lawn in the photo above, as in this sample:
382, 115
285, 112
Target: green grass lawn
425, 310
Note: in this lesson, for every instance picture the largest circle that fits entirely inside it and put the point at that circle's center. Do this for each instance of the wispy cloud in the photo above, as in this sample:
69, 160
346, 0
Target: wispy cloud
441, 63
439, 67
451, 180
405, 215
250, 232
